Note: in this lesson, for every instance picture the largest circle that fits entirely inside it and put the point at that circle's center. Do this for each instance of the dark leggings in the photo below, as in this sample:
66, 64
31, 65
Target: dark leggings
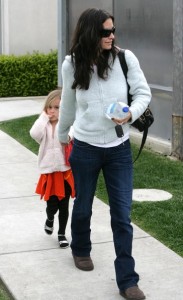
54, 204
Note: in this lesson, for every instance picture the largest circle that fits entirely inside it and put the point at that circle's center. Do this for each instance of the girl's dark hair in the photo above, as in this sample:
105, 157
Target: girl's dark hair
85, 49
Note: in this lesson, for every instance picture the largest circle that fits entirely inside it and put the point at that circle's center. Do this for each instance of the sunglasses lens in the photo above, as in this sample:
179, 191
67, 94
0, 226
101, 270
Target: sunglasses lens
113, 30
107, 32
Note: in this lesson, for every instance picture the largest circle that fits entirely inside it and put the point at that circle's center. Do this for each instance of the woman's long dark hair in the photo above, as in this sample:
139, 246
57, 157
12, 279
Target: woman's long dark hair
86, 50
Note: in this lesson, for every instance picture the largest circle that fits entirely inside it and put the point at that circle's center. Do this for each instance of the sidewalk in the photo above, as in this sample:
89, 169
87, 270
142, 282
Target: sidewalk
33, 267
20, 107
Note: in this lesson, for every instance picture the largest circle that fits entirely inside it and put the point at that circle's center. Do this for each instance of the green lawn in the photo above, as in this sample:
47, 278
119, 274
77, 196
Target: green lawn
162, 219
3, 294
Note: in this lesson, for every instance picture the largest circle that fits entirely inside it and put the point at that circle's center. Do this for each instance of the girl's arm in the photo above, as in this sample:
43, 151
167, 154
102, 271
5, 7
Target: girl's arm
38, 129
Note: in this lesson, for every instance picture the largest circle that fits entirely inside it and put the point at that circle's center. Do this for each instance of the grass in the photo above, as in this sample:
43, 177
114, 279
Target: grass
3, 293
162, 219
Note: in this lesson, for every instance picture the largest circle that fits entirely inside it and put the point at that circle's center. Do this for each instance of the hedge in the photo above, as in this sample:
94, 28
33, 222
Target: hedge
28, 75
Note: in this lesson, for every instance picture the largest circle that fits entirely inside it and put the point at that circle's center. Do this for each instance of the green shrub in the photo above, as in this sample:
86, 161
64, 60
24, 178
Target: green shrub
28, 75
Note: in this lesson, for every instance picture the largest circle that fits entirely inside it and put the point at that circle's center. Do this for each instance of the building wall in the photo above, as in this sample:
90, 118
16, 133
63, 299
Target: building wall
28, 26
146, 28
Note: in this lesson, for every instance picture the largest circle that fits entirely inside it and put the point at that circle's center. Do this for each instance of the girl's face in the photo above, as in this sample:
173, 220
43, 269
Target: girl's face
107, 34
53, 110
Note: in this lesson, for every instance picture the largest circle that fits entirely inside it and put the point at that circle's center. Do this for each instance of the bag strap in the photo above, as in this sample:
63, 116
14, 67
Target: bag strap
121, 55
142, 143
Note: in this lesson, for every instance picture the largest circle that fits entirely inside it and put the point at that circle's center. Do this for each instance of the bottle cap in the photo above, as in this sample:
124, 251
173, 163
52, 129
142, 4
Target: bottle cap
125, 109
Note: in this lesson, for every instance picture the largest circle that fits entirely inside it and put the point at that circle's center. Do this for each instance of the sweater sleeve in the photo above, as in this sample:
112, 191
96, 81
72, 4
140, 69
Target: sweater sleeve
38, 129
139, 88
68, 101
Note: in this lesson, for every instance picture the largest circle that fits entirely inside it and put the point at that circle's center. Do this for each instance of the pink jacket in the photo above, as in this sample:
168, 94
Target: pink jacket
51, 157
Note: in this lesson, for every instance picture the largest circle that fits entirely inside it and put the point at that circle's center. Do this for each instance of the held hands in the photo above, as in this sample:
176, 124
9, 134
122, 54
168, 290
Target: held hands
66, 144
123, 121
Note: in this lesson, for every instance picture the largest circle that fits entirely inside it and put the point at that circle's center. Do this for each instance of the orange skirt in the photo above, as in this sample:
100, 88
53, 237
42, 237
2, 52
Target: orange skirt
53, 184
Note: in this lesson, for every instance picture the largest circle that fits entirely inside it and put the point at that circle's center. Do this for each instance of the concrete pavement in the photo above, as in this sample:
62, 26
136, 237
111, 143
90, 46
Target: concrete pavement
12, 108
32, 265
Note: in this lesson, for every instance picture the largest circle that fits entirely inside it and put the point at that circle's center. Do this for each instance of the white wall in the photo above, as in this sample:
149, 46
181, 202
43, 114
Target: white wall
29, 25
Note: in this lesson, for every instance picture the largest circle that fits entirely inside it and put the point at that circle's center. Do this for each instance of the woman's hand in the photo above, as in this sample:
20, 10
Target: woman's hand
66, 144
124, 120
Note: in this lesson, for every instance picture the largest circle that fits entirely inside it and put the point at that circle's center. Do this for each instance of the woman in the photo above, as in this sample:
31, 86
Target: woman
92, 80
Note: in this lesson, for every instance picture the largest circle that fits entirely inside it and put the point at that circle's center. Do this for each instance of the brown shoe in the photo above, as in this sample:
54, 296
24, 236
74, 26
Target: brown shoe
83, 263
133, 293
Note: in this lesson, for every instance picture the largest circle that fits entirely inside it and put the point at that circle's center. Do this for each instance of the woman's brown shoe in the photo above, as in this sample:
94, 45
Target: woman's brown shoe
133, 293
83, 263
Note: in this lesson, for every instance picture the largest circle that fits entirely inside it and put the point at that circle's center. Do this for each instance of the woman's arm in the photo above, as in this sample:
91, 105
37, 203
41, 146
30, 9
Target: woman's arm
139, 88
68, 102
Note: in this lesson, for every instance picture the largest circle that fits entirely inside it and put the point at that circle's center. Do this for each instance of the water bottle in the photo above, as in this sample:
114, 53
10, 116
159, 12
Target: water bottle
117, 110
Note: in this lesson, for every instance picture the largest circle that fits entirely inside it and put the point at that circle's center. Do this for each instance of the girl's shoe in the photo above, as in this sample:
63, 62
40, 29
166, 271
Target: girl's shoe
48, 227
63, 241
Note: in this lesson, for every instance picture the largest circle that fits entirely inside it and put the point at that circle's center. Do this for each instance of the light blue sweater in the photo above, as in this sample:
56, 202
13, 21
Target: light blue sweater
85, 109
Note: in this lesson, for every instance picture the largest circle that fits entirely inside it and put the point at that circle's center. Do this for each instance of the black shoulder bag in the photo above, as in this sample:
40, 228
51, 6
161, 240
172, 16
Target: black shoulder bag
146, 119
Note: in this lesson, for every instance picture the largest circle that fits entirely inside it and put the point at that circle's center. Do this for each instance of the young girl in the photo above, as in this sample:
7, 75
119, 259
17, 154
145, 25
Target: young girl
56, 182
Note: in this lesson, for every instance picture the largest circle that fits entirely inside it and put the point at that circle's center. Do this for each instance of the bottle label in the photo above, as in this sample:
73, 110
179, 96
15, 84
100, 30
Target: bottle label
117, 110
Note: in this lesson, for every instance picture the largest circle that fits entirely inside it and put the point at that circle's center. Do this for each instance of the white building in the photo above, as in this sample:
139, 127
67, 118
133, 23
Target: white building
27, 26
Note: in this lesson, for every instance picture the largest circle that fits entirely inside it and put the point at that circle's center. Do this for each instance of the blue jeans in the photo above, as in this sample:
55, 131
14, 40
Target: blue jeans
116, 163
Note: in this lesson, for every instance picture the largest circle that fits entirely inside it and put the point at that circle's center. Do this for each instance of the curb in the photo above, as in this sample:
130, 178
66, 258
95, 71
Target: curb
153, 143
22, 98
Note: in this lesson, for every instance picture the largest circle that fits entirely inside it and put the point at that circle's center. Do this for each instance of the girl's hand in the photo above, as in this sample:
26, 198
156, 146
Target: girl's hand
49, 116
46, 114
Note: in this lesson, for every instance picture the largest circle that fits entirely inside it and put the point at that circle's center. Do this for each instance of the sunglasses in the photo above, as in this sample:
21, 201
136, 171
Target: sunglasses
107, 32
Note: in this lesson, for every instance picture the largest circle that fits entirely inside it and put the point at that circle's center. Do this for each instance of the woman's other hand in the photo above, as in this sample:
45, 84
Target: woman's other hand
124, 120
